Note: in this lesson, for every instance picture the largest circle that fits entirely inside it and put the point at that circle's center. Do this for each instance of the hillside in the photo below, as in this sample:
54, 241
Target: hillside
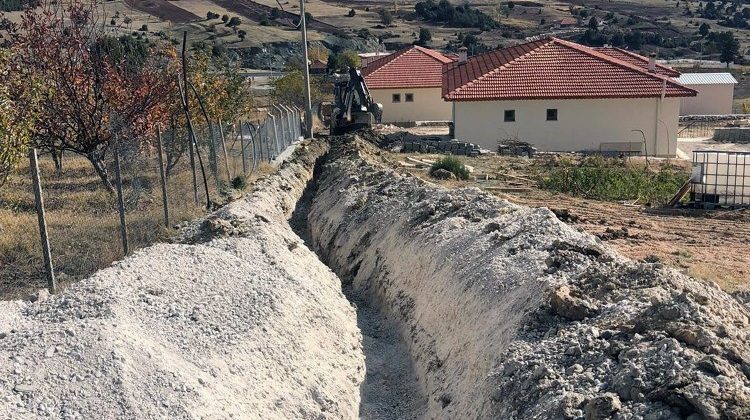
671, 28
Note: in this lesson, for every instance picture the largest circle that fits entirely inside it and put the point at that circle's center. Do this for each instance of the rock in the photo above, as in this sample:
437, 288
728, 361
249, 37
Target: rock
443, 174
571, 307
40, 296
602, 407
24, 388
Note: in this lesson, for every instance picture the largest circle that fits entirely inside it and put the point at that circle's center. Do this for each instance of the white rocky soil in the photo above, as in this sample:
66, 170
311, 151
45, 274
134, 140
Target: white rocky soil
511, 314
244, 323
462, 307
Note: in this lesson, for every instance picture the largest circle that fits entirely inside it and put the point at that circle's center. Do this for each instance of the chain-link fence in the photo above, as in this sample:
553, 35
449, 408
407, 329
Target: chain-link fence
153, 191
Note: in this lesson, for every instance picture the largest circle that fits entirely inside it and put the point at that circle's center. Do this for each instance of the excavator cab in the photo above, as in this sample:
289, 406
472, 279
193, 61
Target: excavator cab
353, 107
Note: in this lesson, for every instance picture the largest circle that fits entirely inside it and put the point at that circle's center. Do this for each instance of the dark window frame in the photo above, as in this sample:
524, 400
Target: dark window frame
509, 115
396, 98
552, 114
408, 97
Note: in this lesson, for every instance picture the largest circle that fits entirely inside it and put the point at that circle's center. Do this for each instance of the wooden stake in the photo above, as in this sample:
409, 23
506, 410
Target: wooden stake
186, 106
164, 197
224, 149
39, 201
242, 147
120, 200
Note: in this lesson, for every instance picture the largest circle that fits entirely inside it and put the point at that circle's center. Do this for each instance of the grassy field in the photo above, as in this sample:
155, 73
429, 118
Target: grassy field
83, 221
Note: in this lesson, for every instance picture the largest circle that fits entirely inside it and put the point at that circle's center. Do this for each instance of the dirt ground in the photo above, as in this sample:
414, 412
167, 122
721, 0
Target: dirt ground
707, 245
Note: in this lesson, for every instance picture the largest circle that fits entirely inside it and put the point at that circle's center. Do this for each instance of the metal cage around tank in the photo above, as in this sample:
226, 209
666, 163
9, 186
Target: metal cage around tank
720, 179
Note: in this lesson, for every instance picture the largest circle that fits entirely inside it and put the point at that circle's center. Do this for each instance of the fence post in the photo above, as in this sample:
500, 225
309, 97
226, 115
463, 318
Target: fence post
164, 197
277, 143
297, 122
242, 148
224, 149
39, 201
275, 134
120, 200
293, 129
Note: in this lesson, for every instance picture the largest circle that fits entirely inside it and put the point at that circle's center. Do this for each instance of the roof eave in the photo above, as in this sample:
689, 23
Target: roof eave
448, 98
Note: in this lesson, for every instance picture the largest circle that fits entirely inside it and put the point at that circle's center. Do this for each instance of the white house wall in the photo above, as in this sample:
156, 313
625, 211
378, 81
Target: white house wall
428, 105
582, 125
711, 100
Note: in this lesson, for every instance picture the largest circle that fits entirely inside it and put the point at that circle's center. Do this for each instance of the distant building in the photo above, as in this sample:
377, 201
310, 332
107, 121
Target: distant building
715, 93
409, 85
567, 22
562, 96
368, 58
318, 67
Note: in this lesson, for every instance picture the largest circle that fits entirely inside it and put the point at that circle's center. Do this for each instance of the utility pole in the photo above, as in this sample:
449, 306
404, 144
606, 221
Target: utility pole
308, 101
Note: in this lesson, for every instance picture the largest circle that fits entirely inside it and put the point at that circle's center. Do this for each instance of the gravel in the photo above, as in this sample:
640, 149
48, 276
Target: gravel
242, 321
510, 313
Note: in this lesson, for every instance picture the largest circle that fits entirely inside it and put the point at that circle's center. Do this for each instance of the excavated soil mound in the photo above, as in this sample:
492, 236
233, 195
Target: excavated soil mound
244, 323
509, 313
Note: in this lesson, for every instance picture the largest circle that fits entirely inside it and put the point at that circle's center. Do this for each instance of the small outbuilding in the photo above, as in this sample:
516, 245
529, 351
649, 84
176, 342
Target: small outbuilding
715, 93
409, 85
562, 96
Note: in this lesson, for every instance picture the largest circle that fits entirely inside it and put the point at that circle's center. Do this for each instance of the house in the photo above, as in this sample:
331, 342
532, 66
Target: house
409, 85
562, 96
318, 66
566, 22
715, 93
368, 58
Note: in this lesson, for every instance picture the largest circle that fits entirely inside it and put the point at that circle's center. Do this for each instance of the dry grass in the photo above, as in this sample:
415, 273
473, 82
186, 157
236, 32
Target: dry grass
83, 221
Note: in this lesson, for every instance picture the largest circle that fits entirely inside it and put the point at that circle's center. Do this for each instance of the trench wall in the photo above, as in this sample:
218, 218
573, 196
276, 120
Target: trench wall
239, 319
503, 307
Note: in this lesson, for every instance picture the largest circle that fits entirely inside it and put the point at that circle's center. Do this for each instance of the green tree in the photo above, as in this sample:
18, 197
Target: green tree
704, 29
352, 13
728, 46
346, 59
425, 36
290, 89
386, 17
16, 121
225, 18
234, 23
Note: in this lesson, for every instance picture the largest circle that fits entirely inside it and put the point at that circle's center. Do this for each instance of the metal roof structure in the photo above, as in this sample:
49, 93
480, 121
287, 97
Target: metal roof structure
706, 79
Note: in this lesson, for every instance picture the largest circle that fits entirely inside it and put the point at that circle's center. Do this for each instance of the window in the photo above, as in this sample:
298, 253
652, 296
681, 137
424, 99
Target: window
409, 97
396, 98
510, 115
552, 114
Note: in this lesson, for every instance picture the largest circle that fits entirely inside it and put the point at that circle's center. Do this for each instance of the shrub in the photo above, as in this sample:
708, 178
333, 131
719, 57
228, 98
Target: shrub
239, 182
352, 13
452, 165
601, 178
144, 28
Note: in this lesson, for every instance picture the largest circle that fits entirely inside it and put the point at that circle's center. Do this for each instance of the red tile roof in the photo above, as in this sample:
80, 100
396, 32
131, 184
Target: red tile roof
637, 59
552, 69
568, 21
414, 67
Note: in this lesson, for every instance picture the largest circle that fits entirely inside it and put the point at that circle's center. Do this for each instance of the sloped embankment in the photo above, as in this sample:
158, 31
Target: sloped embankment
245, 322
509, 313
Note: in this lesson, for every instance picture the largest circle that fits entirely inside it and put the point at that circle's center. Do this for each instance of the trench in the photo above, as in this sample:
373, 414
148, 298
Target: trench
391, 389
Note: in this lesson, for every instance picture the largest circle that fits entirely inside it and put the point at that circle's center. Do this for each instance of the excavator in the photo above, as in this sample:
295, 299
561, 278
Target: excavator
353, 107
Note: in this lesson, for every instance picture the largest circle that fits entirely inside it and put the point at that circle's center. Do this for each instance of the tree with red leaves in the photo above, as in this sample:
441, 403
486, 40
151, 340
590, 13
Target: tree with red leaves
91, 93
